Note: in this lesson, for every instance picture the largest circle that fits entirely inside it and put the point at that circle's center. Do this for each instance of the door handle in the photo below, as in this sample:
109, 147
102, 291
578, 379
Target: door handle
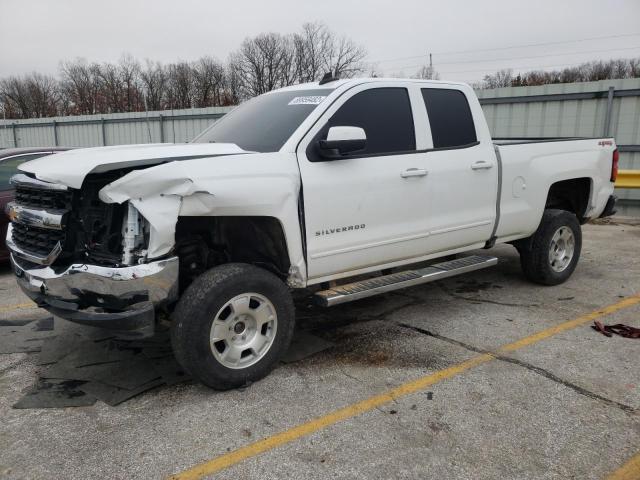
414, 172
481, 165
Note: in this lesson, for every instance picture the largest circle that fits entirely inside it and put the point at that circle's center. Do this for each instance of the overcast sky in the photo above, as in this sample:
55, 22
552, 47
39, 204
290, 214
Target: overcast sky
35, 35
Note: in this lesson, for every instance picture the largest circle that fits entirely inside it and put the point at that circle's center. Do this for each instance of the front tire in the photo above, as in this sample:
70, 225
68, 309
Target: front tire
551, 254
232, 324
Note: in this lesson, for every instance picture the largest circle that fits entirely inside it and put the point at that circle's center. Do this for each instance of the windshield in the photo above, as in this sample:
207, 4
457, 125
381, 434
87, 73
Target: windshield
264, 123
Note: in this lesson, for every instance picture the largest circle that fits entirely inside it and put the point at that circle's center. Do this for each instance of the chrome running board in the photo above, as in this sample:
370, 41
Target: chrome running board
395, 281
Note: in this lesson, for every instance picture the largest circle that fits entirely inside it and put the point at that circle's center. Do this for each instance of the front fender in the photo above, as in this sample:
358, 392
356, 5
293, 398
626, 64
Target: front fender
239, 185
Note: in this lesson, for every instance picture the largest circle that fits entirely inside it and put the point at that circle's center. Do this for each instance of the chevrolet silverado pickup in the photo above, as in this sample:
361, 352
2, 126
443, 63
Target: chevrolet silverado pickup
346, 188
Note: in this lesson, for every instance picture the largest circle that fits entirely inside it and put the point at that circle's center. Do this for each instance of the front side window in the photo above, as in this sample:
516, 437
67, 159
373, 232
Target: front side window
265, 123
450, 117
384, 114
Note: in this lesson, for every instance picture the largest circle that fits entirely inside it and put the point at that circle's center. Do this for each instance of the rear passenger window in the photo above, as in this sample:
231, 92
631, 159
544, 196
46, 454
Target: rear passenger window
384, 114
450, 117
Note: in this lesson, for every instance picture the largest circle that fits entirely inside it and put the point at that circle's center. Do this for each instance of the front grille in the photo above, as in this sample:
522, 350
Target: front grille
35, 240
92, 229
44, 199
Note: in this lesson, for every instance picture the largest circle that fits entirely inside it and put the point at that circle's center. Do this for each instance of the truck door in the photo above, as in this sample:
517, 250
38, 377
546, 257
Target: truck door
367, 208
463, 173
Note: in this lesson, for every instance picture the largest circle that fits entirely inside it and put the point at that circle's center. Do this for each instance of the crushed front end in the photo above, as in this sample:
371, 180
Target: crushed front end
85, 260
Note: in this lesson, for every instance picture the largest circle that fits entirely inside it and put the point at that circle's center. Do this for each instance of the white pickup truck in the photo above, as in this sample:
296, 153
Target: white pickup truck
303, 187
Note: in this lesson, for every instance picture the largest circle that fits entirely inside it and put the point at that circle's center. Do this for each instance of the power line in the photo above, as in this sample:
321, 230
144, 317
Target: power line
539, 56
564, 65
509, 47
506, 59
545, 44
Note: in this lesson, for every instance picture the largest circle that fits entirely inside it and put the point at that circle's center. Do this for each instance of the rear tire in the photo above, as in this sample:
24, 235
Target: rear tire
232, 324
551, 254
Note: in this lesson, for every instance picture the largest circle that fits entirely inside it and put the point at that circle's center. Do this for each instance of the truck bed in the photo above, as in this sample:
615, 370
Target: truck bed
530, 166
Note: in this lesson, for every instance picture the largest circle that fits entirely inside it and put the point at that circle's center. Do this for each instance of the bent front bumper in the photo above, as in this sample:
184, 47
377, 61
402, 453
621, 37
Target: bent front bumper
122, 299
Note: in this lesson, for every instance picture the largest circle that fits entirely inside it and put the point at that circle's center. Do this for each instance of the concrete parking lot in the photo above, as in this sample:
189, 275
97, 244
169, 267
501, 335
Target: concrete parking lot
483, 376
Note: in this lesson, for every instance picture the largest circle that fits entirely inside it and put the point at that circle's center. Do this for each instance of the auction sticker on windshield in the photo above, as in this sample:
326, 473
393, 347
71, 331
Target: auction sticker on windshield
308, 100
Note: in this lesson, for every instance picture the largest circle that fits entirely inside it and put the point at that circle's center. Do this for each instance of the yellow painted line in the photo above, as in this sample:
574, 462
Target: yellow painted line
576, 322
17, 306
227, 460
629, 471
236, 456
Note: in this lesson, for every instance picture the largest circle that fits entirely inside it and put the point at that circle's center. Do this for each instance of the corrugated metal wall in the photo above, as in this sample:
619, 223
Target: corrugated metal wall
572, 109
109, 129
560, 112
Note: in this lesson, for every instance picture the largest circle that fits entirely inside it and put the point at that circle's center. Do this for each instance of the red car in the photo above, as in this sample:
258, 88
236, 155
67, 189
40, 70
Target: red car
10, 158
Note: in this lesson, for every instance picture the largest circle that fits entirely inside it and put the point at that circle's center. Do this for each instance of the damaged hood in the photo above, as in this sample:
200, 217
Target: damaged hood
71, 167
255, 184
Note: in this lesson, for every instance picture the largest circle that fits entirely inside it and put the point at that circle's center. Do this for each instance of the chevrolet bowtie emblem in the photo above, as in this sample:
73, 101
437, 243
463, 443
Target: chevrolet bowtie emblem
11, 213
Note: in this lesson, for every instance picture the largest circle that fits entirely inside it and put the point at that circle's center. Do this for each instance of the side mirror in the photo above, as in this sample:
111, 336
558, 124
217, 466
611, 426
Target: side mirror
342, 141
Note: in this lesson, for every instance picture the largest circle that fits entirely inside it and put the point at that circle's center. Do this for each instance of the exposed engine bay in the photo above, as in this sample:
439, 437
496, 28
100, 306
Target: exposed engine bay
115, 207
90, 231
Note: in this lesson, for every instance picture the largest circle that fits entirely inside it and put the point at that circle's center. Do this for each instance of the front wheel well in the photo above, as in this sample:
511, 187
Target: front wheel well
205, 242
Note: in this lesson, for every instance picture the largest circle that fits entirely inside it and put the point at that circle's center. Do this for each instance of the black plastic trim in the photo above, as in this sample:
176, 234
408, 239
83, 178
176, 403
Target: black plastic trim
137, 320
610, 208
402, 152
628, 148
525, 140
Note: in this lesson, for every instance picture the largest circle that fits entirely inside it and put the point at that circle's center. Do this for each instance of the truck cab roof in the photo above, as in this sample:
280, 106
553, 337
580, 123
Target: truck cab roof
350, 82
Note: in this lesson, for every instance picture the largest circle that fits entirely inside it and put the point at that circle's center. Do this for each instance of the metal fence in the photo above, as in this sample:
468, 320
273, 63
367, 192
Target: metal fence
109, 129
588, 109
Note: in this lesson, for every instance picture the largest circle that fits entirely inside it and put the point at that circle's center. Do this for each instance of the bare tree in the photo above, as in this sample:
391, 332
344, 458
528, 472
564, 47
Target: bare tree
153, 79
572, 74
427, 72
262, 63
344, 58
82, 86
129, 72
502, 78
233, 90
289, 71
112, 87
45, 95
30, 96
585, 72
180, 85
600, 70
208, 82
271, 60
620, 68
312, 46
15, 98
372, 70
